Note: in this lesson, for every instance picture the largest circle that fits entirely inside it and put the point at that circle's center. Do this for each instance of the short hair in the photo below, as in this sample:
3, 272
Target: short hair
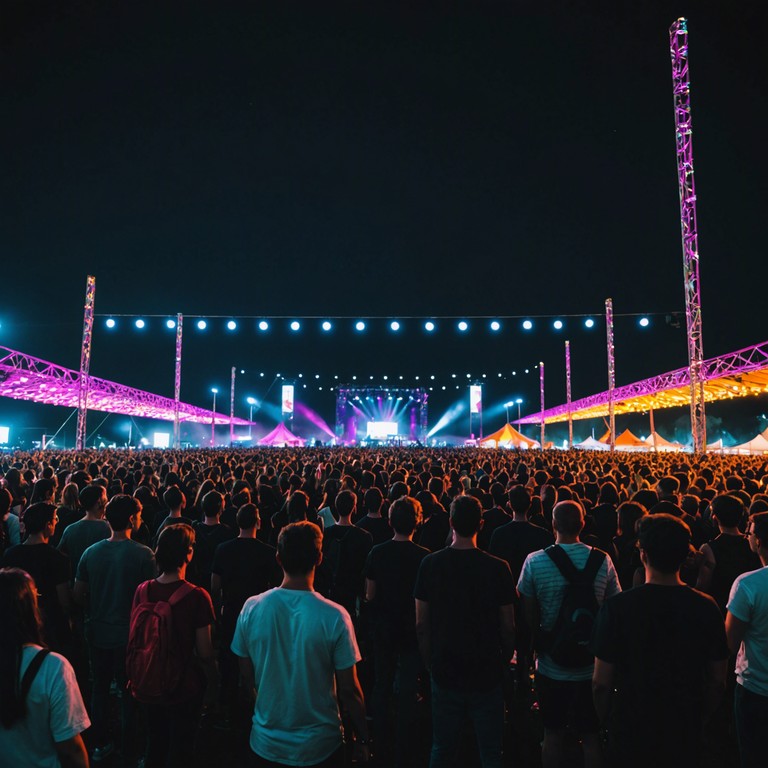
568, 517
173, 546
519, 499
760, 527
372, 500
212, 504
120, 509
666, 541
298, 506
466, 514
345, 503
247, 517
37, 516
299, 546
608, 494
727, 509
629, 513
668, 485
405, 515
90, 495
397, 490
173, 497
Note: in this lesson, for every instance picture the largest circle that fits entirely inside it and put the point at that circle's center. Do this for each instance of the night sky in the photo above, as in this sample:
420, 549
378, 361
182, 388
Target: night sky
377, 160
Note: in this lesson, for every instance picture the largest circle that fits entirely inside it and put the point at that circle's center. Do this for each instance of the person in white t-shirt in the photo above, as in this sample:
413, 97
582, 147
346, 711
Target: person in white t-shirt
39, 727
298, 649
746, 625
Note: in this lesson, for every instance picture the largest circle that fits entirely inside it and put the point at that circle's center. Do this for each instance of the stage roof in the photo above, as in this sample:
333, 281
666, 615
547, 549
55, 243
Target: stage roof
23, 377
738, 374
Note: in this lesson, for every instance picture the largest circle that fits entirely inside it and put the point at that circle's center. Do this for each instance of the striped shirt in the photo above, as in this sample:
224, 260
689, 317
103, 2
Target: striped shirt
540, 579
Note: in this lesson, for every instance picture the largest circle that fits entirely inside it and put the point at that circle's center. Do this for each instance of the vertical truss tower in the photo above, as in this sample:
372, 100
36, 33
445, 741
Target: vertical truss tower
85, 363
678, 44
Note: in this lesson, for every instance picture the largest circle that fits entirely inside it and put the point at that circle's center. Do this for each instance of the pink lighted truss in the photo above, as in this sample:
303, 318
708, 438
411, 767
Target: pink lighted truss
23, 377
743, 361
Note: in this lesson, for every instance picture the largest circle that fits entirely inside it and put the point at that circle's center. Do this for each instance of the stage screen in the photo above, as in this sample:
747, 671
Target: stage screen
161, 439
380, 430
475, 398
5, 434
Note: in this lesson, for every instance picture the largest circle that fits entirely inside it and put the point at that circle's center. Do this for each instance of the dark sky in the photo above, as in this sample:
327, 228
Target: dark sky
376, 159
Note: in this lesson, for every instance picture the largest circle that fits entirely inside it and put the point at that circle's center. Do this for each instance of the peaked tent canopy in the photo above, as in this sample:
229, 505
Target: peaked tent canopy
590, 444
758, 444
661, 444
626, 441
508, 437
281, 436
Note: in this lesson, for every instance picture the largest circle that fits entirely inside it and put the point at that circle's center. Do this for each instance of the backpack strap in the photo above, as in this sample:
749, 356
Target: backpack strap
31, 672
569, 571
181, 593
594, 561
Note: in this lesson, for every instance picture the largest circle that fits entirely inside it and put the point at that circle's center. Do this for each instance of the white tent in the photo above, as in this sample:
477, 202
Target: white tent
661, 444
757, 445
590, 444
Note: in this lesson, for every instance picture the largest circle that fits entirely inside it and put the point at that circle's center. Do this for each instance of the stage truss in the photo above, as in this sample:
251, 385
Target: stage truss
350, 418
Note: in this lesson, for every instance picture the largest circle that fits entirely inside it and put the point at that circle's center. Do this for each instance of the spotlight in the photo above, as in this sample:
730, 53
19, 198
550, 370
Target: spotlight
214, 390
557, 325
140, 323
326, 326
170, 324
644, 322
202, 325
231, 325
527, 325
589, 323
359, 325
111, 322
495, 325
429, 326
295, 325
462, 326
394, 325
263, 325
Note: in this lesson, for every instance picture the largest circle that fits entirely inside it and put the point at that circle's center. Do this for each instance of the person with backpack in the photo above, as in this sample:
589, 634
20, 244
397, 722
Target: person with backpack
42, 715
561, 589
170, 660
660, 658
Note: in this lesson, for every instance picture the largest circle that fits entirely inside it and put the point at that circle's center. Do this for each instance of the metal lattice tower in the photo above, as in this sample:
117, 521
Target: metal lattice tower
177, 383
611, 371
85, 363
568, 391
541, 393
678, 44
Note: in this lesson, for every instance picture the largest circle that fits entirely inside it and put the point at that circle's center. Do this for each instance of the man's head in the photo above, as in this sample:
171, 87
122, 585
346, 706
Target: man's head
466, 516
728, 510
93, 499
174, 547
568, 518
212, 504
373, 500
39, 518
247, 517
665, 541
519, 500
668, 488
299, 548
405, 515
120, 511
346, 502
173, 498
757, 532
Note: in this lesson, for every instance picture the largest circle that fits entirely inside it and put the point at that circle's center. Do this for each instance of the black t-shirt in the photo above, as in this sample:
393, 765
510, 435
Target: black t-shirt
247, 567
207, 538
434, 531
661, 640
340, 575
394, 565
378, 527
465, 589
514, 541
493, 519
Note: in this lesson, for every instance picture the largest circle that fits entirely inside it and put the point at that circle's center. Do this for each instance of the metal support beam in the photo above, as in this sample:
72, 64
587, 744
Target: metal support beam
611, 372
85, 363
568, 391
232, 409
678, 44
541, 392
177, 383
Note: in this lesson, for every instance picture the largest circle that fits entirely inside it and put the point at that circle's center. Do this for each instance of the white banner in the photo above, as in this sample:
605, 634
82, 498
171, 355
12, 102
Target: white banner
287, 398
475, 398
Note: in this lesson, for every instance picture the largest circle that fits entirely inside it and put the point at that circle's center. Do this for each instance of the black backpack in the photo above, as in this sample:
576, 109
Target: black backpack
567, 643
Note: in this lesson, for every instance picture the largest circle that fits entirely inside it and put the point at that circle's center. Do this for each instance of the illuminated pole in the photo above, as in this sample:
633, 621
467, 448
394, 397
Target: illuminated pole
611, 372
251, 402
177, 384
213, 416
541, 387
232, 410
653, 430
506, 410
518, 401
678, 44
568, 391
85, 363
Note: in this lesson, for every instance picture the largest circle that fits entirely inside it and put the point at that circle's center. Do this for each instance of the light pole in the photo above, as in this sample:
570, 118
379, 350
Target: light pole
518, 401
506, 410
213, 416
251, 402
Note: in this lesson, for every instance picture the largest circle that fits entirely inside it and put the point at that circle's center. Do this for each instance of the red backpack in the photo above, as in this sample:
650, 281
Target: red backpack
153, 660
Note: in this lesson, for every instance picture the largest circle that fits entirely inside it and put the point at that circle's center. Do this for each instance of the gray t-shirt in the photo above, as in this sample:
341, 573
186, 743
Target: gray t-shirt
79, 536
113, 570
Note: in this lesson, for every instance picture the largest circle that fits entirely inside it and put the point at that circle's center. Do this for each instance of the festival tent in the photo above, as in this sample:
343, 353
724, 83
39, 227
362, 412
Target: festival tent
590, 444
281, 436
758, 444
717, 446
661, 444
508, 437
626, 441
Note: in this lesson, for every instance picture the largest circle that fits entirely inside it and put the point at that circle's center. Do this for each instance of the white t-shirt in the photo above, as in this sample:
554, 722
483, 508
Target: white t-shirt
55, 713
541, 579
296, 641
748, 602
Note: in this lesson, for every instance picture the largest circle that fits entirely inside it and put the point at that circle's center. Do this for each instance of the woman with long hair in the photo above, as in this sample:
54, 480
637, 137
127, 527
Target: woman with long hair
41, 711
69, 511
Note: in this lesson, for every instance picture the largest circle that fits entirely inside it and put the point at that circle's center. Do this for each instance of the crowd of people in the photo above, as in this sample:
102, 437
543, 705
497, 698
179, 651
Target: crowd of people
332, 596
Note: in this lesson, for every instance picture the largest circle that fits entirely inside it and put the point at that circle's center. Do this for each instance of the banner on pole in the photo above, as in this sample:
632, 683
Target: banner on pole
287, 398
475, 398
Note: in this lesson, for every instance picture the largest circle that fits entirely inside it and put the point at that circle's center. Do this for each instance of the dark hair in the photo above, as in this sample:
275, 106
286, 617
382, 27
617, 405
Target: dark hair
727, 509
568, 517
37, 516
608, 494
43, 490
120, 509
5, 502
173, 498
247, 517
629, 513
345, 503
666, 541
299, 546
397, 490
519, 499
760, 527
466, 514
212, 503
90, 495
669, 485
70, 496
372, 500
20, 625
298, 506
173, 546
405, 515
